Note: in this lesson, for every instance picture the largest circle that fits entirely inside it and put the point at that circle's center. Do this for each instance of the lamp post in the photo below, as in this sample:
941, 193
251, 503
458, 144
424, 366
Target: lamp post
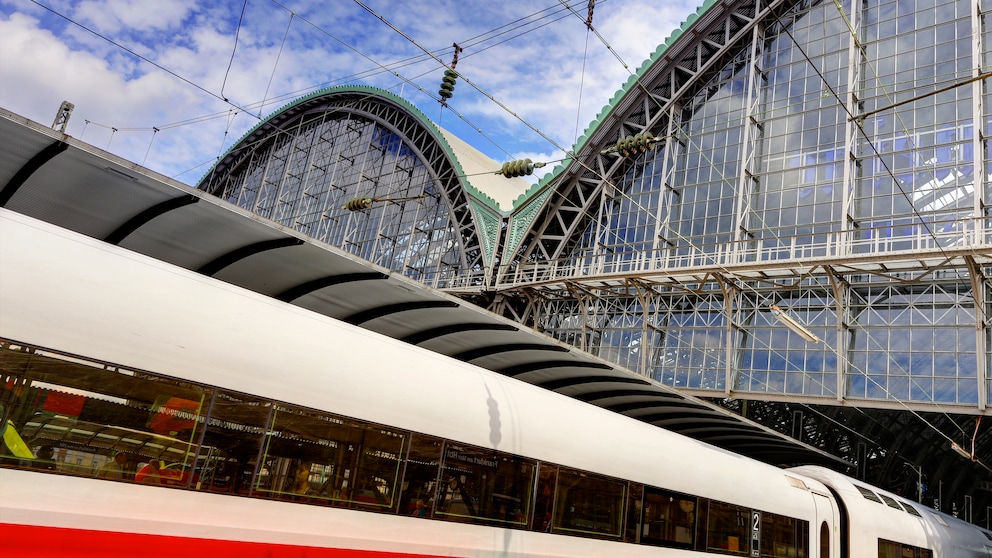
919, 480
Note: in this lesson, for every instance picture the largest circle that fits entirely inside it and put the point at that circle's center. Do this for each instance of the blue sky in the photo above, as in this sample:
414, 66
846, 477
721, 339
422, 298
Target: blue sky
535, 57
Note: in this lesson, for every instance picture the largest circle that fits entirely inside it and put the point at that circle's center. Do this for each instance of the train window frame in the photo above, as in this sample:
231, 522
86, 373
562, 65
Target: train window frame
593, 493
85, 412
782, 535
422, 469
868, 494
235, 428
543, 483
893, 549
681, 532
635, 505
720, 536
322, 458
544, 497
483, 486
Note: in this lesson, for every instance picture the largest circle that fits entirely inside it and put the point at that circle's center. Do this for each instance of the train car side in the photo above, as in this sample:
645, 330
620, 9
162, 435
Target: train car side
877, 518
122, 307
84, 298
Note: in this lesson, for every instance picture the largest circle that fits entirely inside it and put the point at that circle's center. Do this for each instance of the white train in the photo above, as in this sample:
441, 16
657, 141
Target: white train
148, 410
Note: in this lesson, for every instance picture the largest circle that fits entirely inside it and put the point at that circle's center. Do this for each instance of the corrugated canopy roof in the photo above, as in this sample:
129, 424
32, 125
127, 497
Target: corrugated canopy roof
52, 177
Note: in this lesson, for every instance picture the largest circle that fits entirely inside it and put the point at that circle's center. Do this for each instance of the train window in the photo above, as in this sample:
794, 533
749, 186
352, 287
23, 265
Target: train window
728, 529
80, 417
911, 510
544, 503
320, 458
669, 519
484, 486
420, 478
589, 505
891, 549
782, 536
228, 459
891, 502
635, 502
868, 494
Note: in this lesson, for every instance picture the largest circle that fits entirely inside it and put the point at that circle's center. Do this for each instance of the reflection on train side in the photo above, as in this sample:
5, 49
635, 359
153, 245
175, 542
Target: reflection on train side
83, 418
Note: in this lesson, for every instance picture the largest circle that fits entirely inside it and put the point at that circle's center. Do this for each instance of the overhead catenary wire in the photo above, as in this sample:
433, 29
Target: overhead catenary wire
468, 81
843, 357
115, 129
521, 23
275, 64
237, 32
691, 244
136, 55
582, 74
625, 66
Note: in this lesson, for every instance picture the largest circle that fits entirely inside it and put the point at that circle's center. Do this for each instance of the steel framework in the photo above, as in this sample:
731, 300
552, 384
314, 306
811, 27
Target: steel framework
302, 165
786, 175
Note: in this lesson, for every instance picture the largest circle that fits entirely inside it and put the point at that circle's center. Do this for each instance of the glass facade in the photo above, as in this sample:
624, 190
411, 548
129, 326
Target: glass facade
830, 139
354, 151
823, 157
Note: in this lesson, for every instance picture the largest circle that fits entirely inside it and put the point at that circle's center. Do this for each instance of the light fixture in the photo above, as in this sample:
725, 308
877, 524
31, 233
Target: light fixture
793, 325
961, 451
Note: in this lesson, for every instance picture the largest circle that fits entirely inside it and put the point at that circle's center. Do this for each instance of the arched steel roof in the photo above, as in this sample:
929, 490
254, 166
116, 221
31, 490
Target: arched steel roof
467, 163
476, 198
55, 178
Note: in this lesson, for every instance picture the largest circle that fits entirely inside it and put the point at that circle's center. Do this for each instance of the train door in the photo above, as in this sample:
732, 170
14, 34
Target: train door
826, 533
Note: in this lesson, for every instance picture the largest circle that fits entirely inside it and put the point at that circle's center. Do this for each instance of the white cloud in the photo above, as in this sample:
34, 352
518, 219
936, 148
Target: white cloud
115, 15
44, 59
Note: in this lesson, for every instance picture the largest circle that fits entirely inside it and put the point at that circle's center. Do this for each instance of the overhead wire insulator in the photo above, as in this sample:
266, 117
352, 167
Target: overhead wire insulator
449, 79
358, 204
633, 145
447, 85
520, 167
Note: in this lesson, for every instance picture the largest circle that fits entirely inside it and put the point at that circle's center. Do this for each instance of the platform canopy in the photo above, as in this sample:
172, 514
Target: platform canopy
54, 178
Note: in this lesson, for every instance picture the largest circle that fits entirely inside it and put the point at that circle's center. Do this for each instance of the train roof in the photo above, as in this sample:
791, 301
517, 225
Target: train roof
52, 177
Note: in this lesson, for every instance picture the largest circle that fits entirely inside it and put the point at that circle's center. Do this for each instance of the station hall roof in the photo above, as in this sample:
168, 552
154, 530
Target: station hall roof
477, 170
57, 179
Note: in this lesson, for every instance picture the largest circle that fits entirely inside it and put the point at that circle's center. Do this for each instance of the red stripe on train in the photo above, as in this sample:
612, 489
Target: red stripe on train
30, 541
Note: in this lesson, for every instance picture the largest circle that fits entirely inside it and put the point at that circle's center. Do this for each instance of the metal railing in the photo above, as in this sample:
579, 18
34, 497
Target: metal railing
891, 241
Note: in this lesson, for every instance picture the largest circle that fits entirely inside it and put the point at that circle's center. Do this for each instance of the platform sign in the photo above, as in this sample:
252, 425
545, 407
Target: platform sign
755, 534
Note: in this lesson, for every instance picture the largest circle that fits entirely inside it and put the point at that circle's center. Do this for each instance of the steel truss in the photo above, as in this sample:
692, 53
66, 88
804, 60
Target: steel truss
298, 193
632, 306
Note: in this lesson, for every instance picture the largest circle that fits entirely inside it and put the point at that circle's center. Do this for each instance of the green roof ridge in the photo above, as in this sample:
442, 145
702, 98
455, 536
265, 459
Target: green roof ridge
624, 90
410, 107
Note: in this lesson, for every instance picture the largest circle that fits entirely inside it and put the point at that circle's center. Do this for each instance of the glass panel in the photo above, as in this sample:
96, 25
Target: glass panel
727, 529
669, 519
545, 503
588, 504
635, 503
303, 178
420, 479
890, 549
232, 442
320, 458
82, 418
779, 535
480, 484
